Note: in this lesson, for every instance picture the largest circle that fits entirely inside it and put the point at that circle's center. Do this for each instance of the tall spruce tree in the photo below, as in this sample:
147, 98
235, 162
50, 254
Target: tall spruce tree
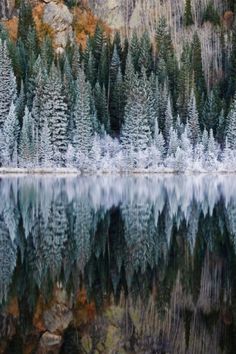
193, 120
188, 18
7, 83
82, 115
10, 133
136, 133
231, 130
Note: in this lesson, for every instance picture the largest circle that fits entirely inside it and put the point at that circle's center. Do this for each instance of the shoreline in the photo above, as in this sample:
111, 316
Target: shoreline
76, 172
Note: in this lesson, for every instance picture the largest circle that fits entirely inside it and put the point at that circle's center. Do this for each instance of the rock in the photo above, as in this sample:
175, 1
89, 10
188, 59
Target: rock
6, 8
57, 318
49, 343
59, 18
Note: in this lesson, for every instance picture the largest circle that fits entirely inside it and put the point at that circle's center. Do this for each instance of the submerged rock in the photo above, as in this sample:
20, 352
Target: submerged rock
49, 343
57, 318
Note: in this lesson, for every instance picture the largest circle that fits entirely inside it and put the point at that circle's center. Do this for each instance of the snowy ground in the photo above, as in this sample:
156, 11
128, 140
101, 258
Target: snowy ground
74, 171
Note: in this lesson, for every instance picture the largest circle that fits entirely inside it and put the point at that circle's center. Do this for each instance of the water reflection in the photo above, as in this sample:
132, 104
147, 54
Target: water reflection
128, 264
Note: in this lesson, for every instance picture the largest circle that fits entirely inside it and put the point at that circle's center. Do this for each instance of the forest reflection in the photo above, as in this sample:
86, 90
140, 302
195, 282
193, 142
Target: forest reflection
146, 264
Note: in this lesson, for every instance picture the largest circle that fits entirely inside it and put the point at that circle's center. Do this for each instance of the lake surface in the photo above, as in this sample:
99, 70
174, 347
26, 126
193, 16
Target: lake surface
118, 264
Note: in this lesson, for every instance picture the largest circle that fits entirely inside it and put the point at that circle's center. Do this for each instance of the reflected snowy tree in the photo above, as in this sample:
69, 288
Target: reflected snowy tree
7, 260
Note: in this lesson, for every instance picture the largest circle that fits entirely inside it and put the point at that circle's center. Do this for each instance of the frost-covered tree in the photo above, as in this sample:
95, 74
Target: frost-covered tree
193, 120
82, 115
10, 133
205, 140
212, 152
231, 131
173, 142
168, 120
27, 147
7, 259
7, 83
136, 131
45, 146
159, 141
57, 116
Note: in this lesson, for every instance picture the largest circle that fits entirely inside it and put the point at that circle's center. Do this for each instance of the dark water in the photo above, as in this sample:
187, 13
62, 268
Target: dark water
118, 265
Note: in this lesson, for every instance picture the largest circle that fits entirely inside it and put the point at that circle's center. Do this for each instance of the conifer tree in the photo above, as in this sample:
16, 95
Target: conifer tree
82, 115
159, 141
26, 20
45, 146
101, 106
145, 57
199, 79
10, 133
231, 130
188, 18
168, 120
7, 83
193, 120
135, 51
27, 147
57, 115
136, 133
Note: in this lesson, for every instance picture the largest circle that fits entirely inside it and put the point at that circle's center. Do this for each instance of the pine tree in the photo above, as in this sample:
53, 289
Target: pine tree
145, 57
188, 18
136, 133
184, 82
10, 133
82, 115
117, 103
20, 103
69, 91
27, 148
45, 146
159, 141
101, 106
211, 111
199, 79
7, 83
205, 140
26, 20
193, 120
173, 142
54, 110
135, 51
231, 130
168, 120
212, 152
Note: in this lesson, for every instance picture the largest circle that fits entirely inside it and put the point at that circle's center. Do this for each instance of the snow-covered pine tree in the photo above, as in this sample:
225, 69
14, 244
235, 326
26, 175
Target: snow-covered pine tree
27, 148
231, 130
136, 131
101, 105
193, 120
82, 115
45, 147
7, 83
10, 133
228, 158
212, 152
159, 140
168, 121
205, 139
173, 142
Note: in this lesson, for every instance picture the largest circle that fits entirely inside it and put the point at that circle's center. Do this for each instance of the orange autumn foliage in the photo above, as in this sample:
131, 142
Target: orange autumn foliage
13, 307
85, 23
42, 29
12, 27
38, 315
84, 311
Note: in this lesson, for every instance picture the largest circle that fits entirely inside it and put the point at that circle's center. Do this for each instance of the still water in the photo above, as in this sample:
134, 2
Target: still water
118, 265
